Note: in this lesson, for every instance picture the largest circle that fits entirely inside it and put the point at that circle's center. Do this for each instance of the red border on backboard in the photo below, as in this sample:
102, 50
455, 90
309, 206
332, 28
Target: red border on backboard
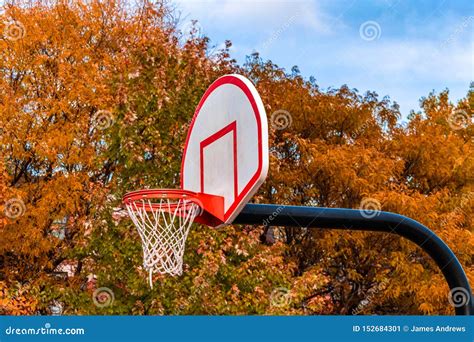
230, 128
230, 79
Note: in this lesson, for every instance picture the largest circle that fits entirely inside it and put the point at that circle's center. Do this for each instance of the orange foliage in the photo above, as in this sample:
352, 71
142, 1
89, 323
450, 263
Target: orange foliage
96, 99
14, 301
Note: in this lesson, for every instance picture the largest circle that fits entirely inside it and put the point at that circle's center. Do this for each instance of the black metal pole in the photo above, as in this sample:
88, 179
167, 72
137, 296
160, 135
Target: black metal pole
380, 221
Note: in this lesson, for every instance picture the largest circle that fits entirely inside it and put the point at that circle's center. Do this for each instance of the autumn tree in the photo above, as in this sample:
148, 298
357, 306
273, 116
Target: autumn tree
93, 105
96, 100
337, 148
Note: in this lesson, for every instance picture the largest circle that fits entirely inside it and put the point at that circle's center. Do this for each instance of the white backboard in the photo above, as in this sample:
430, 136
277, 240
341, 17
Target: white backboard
226, 150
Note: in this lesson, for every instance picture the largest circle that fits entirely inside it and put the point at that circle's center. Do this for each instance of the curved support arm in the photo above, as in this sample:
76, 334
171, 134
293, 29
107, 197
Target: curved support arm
353, 219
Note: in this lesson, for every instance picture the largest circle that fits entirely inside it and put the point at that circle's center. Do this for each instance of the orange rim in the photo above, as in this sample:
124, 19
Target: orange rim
139, 196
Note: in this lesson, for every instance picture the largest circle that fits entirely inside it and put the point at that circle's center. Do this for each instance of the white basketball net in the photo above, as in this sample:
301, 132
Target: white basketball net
163, 231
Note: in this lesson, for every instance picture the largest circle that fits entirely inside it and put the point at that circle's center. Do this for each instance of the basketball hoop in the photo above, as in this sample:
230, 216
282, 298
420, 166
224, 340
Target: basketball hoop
225, 160
163, 218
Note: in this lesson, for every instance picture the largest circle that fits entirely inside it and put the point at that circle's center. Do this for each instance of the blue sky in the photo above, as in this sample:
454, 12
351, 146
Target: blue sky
403, 49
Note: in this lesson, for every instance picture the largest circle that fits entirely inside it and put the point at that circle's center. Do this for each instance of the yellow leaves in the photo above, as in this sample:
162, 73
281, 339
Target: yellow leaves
16, 302
354, 275
426, 308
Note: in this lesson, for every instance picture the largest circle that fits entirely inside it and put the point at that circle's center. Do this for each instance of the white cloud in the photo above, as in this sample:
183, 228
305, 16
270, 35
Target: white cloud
257, 15
415, 53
